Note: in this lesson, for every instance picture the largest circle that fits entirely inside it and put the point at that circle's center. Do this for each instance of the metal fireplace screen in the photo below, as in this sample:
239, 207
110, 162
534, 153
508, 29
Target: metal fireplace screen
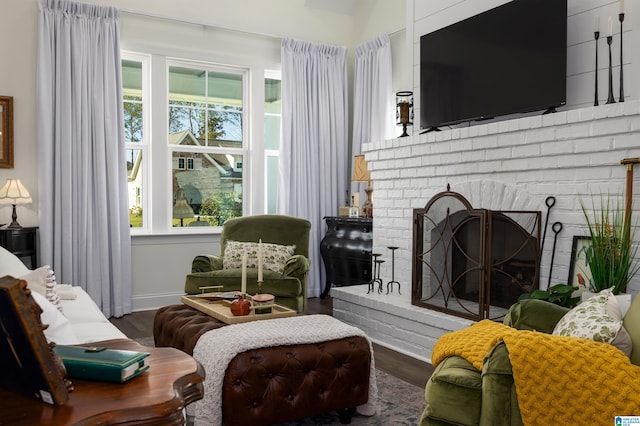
473, 263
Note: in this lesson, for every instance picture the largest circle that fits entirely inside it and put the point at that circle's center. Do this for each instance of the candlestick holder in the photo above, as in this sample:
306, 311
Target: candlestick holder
404, 111
393, 272
596, 35
621, 18
610, 99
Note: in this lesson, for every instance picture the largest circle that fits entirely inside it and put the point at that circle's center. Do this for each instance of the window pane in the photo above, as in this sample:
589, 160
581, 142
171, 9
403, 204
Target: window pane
272, 113
272, 184
207, 104
134, 186
211, 190
225, 90
225, 107
272, 131
132, 100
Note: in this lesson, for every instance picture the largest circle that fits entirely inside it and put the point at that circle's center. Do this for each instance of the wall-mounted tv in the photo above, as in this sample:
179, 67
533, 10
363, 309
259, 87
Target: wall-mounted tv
509, 59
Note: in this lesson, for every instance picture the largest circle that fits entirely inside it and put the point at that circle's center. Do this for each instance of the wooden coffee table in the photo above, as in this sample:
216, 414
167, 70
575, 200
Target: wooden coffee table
156, 397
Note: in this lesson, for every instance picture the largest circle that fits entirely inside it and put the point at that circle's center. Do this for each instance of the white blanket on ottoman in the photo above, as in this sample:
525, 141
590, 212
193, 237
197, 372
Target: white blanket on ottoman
216, 348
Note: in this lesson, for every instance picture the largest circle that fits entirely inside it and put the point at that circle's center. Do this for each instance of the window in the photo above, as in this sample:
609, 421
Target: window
134, 97
206, 141
272, 112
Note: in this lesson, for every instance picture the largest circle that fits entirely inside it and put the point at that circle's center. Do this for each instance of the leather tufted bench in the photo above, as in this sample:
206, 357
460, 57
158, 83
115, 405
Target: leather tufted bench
277, 384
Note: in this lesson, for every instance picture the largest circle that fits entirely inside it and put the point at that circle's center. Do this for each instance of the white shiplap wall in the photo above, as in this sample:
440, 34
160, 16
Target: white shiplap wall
432, 15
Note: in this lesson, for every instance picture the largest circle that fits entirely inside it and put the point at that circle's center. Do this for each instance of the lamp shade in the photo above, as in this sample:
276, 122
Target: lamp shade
14, 192
360, 170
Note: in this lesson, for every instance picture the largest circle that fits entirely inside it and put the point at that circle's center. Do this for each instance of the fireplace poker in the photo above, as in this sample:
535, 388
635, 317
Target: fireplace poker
629, 162
556, 228
550, 202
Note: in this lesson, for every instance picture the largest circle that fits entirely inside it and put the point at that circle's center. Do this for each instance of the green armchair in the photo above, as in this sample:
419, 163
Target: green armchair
289, 287
458, 394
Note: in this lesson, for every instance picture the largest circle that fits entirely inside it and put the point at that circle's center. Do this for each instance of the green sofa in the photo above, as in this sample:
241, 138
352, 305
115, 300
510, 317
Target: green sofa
458, 394
289, 287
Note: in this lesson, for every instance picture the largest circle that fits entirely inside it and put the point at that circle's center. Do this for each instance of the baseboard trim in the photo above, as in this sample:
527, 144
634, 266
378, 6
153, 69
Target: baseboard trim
154, 301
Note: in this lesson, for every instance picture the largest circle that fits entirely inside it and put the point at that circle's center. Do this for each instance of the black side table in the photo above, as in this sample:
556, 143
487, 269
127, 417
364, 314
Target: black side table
21, 242
346, 251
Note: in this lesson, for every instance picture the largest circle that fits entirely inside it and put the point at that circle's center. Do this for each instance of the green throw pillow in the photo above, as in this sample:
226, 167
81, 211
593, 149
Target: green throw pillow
598, 318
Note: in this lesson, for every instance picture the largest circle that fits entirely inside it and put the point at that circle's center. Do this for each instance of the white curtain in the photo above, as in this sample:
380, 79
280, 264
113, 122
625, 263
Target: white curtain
373, 97
84, 223
314, 151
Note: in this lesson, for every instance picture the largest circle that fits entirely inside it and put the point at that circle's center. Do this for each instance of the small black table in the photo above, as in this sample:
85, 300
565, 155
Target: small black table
346, 251
22, 242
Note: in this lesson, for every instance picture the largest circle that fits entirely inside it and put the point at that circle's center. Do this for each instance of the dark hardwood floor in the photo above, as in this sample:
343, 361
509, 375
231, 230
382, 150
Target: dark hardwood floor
140, 324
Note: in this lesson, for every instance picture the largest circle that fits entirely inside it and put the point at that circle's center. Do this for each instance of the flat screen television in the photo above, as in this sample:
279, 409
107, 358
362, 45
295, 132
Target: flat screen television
509, 59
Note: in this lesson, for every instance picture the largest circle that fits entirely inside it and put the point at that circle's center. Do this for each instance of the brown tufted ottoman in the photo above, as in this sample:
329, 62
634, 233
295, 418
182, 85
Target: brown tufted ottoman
277, 384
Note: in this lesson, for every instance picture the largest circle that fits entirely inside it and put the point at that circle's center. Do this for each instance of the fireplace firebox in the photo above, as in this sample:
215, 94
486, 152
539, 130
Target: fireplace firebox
473, 263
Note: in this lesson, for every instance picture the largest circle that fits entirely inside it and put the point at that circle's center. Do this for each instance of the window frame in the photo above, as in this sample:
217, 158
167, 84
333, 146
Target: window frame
271, 153
145, 144
244, 151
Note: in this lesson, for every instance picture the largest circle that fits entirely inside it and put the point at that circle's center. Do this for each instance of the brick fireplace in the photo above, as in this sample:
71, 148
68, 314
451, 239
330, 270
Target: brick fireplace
507, 165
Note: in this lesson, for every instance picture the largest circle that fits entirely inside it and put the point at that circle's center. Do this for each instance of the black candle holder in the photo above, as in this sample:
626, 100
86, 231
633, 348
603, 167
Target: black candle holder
404, 111
621, 18
610, 99
596, 35
393, 271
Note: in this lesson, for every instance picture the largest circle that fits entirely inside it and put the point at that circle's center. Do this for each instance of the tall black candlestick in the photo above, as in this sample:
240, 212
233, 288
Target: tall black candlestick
611, 99
621, 17
596, 34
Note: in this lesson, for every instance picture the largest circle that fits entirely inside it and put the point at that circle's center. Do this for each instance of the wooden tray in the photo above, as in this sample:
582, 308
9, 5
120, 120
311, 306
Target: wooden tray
221, 312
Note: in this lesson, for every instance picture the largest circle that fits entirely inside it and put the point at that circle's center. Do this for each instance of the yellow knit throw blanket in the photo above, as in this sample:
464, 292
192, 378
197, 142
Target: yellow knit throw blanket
559, 380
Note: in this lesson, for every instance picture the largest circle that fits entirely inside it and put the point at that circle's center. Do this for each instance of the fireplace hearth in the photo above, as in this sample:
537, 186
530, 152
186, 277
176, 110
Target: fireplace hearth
473, 263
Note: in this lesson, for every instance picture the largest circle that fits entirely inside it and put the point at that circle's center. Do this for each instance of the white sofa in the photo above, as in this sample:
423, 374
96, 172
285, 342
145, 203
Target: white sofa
78, 321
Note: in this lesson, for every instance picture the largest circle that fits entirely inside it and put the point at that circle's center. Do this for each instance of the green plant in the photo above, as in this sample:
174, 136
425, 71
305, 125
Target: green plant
220, 207
560, 294
611, 255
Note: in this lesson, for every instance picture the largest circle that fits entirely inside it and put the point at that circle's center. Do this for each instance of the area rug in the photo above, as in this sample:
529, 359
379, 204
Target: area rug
401, 403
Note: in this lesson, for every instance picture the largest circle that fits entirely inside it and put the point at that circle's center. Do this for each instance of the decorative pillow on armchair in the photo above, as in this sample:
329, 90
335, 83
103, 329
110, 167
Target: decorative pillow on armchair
275, 256
597, 318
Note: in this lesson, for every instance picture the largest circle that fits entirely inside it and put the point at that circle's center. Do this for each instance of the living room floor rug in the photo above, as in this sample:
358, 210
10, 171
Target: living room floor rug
401, 403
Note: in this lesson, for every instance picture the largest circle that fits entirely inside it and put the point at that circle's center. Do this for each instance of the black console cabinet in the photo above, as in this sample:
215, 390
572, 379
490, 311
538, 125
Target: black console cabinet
346, 251
21, 242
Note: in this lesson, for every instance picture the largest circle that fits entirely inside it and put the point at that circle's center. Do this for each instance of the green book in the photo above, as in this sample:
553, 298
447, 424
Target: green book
98, 363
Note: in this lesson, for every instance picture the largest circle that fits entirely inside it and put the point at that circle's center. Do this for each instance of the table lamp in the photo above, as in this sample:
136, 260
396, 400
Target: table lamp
361, 174
13, 192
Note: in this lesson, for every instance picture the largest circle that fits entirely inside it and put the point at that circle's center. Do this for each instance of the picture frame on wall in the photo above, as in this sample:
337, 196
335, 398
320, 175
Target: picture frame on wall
6, 132
579, 272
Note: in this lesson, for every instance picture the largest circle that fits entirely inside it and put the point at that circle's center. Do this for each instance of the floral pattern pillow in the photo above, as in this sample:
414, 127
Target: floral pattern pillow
275, 256
591, 320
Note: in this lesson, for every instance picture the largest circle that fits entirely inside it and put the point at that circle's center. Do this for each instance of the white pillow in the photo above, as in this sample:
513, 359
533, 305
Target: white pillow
599, 319
59, 330
43, 281
37, 279
275, 256
10, 264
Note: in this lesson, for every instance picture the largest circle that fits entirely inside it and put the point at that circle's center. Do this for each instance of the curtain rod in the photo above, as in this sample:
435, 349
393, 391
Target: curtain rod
191, 22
